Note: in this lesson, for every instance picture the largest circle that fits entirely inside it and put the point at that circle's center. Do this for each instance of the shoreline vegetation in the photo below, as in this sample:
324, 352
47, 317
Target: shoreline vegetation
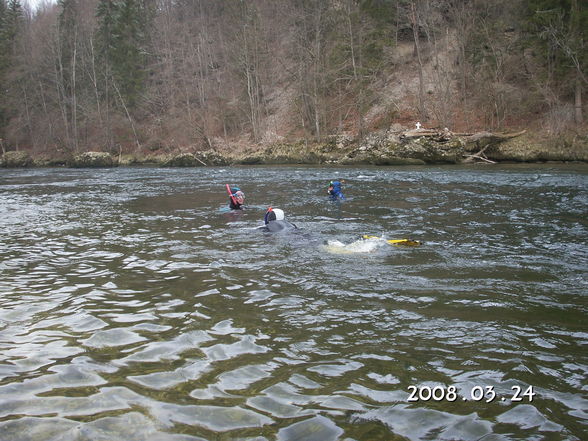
395, 146
104, 83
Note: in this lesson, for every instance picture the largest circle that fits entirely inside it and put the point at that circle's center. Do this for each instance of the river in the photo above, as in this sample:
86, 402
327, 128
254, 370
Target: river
135, 306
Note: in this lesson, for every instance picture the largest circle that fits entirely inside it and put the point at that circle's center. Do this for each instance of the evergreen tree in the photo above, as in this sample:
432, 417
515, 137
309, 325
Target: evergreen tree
67, 41
67, 68
106, 13
3, 44
10, 21
10, 18
122, 37
67, 24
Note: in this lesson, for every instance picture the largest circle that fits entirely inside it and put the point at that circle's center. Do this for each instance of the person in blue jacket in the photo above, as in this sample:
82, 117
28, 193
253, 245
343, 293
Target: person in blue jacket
334, 190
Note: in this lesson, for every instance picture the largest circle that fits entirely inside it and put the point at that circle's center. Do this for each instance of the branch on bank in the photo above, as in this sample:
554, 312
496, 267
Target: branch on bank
491, 138
484, 140
480, 156
446, 134
435, 134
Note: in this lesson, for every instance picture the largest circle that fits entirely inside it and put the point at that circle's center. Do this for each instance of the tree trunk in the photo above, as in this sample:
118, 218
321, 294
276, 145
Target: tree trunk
351, 41
122, 101
317, 73
575, 34
74, 100
579, 117
60, 89
415, 31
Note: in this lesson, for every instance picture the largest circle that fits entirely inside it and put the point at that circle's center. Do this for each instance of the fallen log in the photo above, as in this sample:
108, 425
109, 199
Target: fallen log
492, 138
437, 134
470, 137
417, 133
484, 140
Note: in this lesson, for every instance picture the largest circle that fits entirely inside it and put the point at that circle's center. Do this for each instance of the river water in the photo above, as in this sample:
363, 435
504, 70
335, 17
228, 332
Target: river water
134, 306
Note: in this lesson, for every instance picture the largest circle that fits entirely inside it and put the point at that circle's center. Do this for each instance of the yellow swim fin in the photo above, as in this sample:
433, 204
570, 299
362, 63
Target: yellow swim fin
403, 242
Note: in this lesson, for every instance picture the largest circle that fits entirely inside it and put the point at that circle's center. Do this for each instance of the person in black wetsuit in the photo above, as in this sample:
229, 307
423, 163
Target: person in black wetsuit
236, 199
274, 221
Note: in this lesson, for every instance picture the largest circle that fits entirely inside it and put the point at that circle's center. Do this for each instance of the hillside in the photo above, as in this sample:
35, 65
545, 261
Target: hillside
142, 78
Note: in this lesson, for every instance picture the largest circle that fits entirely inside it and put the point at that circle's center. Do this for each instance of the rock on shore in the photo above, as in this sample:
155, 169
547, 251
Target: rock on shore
527, 149
420, 147
383, 148
93, 160
198, 159
387, 147
16, 159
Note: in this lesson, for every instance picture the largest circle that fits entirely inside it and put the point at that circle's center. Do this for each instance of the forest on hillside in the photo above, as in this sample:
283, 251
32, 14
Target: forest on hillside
159, 75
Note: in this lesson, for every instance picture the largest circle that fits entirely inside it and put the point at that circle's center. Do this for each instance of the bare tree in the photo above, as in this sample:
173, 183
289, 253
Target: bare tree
568, 38
415, 21
461, 16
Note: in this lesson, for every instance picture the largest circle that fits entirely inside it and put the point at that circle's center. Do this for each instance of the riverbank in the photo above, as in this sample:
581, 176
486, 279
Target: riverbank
389, 147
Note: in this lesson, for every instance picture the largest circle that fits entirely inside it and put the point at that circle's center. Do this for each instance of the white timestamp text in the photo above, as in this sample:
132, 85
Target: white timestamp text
476, 393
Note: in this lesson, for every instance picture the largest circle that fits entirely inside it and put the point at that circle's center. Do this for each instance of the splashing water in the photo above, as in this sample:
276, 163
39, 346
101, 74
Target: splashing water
364, 246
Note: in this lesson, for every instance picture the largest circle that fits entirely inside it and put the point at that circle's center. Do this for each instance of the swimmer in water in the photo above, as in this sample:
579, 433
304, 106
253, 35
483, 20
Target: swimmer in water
274, 221
334, 190
236, 198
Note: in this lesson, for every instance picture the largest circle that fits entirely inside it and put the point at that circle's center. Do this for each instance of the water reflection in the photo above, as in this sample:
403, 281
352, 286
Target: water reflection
132, 307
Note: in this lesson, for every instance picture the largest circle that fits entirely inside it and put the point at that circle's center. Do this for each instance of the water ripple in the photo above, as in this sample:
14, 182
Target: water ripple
132, 307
